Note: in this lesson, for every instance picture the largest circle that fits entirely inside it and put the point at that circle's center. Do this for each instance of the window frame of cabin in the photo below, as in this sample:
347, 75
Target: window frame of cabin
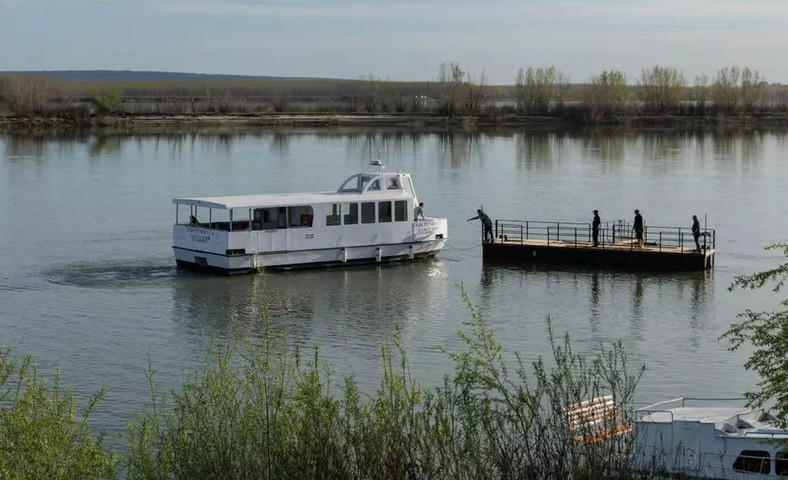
334, 218
404, 217
381, 207
305, 216
352, 213
748, 460
365, 210
781, 463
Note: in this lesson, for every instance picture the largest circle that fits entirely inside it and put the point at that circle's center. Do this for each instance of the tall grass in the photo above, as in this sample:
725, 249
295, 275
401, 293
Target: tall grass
264, 409
42, 435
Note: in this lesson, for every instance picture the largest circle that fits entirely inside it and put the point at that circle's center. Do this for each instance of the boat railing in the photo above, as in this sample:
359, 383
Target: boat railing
767, 432
616, 234
682, 402
711, 399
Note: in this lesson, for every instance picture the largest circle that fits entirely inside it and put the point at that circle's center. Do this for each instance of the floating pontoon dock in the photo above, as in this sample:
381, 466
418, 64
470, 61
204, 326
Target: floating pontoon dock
665, 248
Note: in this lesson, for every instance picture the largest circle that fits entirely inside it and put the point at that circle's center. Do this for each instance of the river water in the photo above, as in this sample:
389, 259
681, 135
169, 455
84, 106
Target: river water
88, 283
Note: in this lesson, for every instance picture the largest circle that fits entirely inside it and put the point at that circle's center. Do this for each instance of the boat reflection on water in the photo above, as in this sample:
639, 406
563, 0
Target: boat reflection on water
348, 311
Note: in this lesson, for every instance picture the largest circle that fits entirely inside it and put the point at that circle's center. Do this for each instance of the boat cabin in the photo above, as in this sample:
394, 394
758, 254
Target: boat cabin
391, 197
367, 210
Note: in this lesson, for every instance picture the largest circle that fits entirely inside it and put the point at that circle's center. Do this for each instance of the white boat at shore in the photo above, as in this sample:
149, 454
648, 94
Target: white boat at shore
369, 219
710, 438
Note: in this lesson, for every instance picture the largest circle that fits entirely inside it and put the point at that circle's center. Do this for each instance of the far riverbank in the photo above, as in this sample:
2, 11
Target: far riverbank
402, 121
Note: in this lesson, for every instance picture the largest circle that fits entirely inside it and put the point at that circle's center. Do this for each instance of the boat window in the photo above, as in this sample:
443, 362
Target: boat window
754, 461
300, 216
368, 212
270, 218
351, 217
191, 218
351, 184
374, 186
384, 211
394, 183
218, 219
781, 464
401, 211
240, 219
335, 215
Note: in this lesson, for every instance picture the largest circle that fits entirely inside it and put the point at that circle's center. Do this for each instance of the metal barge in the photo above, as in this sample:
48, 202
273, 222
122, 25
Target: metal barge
664, 248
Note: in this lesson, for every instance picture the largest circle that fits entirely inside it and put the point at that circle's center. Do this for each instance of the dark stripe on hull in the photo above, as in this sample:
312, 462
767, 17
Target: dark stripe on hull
305, 266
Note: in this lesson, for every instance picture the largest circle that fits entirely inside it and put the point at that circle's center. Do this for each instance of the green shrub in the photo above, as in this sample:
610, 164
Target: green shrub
261, 409
107, 100
41, 434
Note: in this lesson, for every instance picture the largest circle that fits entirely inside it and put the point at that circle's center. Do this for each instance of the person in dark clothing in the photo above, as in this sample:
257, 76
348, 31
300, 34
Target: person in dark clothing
488, 233
638, 228
696, 231
595, 227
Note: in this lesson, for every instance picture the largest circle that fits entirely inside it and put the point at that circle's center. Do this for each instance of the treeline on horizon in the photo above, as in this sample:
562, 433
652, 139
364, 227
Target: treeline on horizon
542, 91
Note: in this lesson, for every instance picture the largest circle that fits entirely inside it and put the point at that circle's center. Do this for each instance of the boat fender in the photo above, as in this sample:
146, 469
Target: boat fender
410, 252
343, 255
378, 255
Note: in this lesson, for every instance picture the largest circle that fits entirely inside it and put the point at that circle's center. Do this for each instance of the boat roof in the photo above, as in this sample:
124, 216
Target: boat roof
291, 199
728, 420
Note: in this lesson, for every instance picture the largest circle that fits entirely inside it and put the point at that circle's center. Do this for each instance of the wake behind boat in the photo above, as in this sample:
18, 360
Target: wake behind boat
370, 218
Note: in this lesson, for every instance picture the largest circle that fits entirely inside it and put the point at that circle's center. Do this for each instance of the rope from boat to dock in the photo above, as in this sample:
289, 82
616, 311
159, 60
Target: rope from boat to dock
463, 249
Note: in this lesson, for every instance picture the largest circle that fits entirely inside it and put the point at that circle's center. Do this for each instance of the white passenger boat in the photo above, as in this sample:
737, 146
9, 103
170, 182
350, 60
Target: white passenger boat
369, 219
711, 438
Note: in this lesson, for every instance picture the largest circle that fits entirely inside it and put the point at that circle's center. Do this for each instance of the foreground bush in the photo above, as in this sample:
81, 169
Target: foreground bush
262, 409
41, 435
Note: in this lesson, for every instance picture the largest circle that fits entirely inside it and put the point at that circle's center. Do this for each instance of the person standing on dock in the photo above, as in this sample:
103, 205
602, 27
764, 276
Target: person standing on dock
696, 231
638, 228
595, 227
488, 233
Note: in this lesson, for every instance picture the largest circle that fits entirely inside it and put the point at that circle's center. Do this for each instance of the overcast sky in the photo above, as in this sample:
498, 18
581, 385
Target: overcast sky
401, 40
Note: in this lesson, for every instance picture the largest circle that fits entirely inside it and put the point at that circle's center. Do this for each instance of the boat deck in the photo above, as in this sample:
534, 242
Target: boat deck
618, 246
728, 420
664, 248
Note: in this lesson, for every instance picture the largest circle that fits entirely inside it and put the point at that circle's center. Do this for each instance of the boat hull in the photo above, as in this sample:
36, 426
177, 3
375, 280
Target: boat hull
320, 258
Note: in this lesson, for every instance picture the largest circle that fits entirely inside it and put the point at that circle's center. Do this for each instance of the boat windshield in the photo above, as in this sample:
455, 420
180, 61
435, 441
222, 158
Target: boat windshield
357, 183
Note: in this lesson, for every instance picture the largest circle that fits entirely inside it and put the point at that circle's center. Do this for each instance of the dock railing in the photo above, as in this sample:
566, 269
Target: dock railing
616, 234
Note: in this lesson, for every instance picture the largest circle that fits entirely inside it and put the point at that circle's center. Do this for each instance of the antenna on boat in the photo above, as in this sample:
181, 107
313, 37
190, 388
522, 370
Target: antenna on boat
375, 162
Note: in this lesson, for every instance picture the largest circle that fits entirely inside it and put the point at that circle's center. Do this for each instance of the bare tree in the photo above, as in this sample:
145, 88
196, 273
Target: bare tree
371, 92
451, 80
281, 100
26, 94
724, 91
477, 92
701, 93
607, 93
560, 89
752, 89
662, 89
400, 101
534, 89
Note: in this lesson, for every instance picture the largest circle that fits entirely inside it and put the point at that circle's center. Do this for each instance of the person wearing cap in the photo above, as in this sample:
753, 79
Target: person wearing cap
595, 227
638, 228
